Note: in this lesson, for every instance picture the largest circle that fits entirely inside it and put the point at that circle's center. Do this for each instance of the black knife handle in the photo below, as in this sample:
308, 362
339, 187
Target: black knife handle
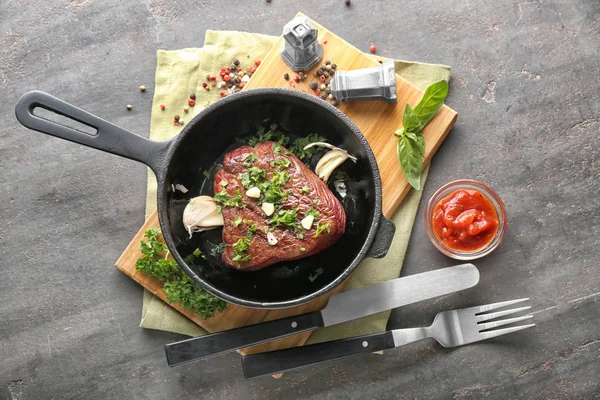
298, 357
227, 341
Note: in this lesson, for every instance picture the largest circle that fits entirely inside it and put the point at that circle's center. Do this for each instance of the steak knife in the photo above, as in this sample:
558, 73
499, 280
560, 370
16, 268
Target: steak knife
340, 308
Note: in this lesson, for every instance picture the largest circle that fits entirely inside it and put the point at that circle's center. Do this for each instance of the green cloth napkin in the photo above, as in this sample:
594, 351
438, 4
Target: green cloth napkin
181, 72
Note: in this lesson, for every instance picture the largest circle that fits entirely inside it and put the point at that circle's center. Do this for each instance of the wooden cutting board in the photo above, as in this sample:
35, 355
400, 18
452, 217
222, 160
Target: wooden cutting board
377, 120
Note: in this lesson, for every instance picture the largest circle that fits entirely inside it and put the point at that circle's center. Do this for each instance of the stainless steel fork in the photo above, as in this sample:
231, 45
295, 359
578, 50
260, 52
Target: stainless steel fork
449, 328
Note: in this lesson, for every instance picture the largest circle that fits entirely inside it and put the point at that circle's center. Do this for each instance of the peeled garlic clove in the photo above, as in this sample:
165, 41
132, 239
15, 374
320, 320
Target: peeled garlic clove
253, 192
330, 146
307, 222
329, 162
271, 239
201, 214
268, 208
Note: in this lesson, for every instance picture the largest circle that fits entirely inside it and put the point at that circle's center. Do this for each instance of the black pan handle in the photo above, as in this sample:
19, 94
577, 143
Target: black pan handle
278, 361
223, 342
383, 238
109, 137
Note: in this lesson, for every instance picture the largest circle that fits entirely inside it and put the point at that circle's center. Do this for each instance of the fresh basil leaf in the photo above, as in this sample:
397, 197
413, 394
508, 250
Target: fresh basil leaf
410, 120
432, 101
411, 160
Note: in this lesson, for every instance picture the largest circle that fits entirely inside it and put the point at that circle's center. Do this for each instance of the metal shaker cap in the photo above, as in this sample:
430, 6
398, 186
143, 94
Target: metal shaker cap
376, 83
300, 49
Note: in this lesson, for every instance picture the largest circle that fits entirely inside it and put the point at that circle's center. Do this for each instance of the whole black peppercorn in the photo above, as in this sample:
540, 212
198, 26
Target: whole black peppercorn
323, 95
236, 62
193, 96
232, 68
327, 62
313, 85
208, 77
333, 66
286, 76
326, 75
176, 118
347, 2
319, 72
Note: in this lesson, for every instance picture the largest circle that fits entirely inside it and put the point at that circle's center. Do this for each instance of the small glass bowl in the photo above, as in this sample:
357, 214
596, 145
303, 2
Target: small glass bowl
469, 185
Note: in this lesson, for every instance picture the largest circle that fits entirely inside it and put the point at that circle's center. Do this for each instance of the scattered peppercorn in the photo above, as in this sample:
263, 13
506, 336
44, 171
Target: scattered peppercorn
193, 96
186, 109
319, 72
142, 88
257, 62
162, 107
324, 41
303, 78
333, 66
268, 1
373, 48
204, 85
297, 78
313, 85
253, 69
327, 62
175, 122
322, 78
236, 62
181, 122
347, 2
191, 102
128, 107
176, 118
286, 76
380, 62
223, 94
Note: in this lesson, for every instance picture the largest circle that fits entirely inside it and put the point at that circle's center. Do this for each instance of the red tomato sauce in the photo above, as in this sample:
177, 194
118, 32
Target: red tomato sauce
465, 220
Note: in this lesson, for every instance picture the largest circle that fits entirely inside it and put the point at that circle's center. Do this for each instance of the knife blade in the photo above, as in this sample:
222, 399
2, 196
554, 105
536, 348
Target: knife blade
340, 308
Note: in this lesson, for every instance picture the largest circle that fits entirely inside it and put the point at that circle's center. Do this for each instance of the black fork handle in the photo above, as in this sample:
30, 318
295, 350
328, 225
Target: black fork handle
109, 137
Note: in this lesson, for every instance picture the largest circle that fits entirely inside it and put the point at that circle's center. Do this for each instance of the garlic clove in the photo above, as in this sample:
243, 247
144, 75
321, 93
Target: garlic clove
329, 162
330, 146
271, 239
268, 208
307, 222
253, 192
201, 214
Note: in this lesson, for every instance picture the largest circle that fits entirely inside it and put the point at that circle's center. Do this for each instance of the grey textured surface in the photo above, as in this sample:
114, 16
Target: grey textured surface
525, 85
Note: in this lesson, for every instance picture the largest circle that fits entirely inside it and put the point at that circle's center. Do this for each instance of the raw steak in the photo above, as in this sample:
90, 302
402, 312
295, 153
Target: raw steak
304, 190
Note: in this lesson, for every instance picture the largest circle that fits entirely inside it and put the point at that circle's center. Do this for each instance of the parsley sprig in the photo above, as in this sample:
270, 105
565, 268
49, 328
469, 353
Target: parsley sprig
177, 286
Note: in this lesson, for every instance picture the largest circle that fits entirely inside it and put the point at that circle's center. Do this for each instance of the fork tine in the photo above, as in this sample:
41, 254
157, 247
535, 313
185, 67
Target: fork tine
495, 324
486, 317
493, 306
504, 331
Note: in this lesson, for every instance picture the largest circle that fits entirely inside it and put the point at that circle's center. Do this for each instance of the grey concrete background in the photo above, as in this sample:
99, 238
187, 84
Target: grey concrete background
525, 85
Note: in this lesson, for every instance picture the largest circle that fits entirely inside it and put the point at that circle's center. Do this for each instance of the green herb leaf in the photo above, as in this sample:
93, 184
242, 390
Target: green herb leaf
302, 249
411, 143
305, 190
177, 286
315, 274
240, 250
298, 147
237, 221
284, 217
223, 183
249, 160
219, 249
314, 213
322, 228
410, 154
282, 162
432, 101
